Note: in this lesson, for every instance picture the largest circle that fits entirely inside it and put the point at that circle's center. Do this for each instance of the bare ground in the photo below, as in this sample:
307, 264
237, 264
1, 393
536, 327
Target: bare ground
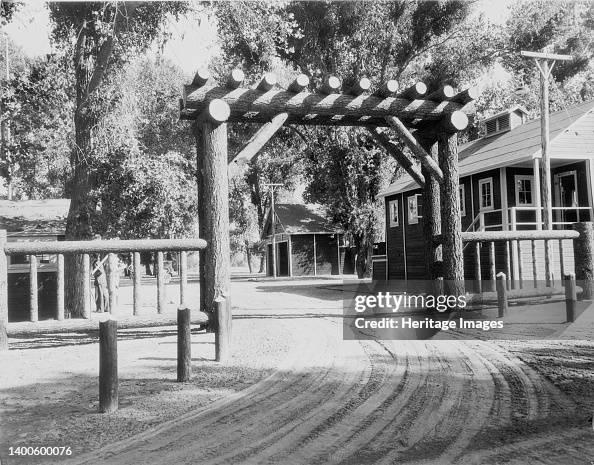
297, 393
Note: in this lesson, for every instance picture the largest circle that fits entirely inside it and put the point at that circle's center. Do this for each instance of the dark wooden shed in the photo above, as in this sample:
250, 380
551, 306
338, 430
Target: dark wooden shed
306, 243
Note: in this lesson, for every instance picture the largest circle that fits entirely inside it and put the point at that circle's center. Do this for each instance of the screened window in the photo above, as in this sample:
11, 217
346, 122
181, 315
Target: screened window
486, 194
524, 190
414, 209
462, 200
393, 212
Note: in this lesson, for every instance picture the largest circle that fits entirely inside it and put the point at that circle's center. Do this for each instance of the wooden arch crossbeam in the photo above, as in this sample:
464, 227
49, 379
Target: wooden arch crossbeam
442, 110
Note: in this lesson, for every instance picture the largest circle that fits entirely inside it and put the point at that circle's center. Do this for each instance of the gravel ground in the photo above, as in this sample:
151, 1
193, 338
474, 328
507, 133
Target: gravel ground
296, 393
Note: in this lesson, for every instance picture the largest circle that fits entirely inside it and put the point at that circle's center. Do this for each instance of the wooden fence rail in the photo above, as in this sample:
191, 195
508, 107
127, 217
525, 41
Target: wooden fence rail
110, 247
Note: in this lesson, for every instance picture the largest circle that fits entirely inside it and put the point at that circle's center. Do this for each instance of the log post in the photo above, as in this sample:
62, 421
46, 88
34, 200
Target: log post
87, 286
136, 284
583, 253
201, 212
184, 345
60, 288
108, 366
111, 282
501, 295
215, 207
431, 213
570, 297
33, 289
451, 226
223, 332
160, 283
183, 277
3, 293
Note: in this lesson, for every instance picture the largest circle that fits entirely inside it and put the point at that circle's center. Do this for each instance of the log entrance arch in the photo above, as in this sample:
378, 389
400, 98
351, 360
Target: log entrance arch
426, 123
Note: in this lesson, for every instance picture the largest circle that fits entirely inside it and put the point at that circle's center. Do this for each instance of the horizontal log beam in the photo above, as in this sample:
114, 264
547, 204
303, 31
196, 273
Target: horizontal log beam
235, 79
259, 139
443, 93
115, 246
413, 145
387, 89
453, 122
255, 105
299, 84
331, 85
409, 166
201, 77
537, 235
416, 91
360, 87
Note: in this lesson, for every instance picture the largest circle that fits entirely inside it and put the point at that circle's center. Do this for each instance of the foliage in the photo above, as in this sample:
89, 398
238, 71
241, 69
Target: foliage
37, 108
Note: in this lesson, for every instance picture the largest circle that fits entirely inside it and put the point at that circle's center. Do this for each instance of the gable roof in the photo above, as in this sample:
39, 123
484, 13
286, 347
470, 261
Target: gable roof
300, 219
520, 144
34, 217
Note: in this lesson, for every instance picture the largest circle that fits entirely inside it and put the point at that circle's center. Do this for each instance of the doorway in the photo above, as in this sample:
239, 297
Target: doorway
566, 197
282, 259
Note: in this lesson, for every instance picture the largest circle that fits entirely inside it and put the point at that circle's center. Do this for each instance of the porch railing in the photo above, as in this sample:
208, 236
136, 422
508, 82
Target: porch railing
509, 241
85, 248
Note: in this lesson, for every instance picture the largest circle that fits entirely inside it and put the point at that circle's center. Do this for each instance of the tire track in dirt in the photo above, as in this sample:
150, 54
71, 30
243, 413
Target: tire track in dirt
380, 402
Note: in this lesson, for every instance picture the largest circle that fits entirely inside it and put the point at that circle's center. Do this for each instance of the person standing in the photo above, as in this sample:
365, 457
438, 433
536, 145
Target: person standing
101, 291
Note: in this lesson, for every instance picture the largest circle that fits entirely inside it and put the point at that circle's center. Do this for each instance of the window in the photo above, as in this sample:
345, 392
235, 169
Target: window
486, 194
414, 209
393, 212
524, 190
462, 201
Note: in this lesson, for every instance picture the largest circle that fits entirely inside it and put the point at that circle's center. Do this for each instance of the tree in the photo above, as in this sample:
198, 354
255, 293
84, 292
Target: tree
401, 40
101, 37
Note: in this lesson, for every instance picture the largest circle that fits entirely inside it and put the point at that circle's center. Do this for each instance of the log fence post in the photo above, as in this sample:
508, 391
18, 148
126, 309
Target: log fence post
108, 366
583, 253
33, 289
223, 330
501, 295
87, 286
3, 292
160, 283
136, 284
112, 281
570, 297
183, 277
184, 345
60, 287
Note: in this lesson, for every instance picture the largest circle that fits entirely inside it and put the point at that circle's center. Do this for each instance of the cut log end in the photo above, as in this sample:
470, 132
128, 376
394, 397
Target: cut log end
235, 79
360, 87
201, 77
388, 88
299, 84
331, 85
267, 82
415, 91
218, 111
443, 93
456, 121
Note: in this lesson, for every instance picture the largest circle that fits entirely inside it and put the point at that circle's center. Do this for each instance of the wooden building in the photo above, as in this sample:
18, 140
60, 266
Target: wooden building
306, 243
500, 190
33, 220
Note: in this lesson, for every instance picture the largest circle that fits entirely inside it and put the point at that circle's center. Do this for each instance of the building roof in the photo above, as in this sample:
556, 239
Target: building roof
301, 219
521, 144
34, 217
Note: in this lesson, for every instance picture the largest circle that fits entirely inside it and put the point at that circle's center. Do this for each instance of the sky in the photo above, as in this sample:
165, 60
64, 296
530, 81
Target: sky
193, 40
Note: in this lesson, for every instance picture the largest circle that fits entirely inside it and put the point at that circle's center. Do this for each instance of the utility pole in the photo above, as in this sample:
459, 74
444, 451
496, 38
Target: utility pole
4, 125
545, 63
272, 224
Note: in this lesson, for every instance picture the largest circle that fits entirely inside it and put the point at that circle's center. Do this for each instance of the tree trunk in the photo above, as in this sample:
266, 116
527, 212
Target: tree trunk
248, 252
262, 263
364, 251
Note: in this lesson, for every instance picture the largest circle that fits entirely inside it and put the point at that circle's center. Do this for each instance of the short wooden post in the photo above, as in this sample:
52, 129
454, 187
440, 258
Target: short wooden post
87, 286
507, 265
583, 253
501, 295
570, 296
183, 277
33, 289
492, 269
160, 283
534, 267
112, 281
477, 272
136, 283
3, 292
184, 345
223, 330
561, 259
60, 288
108, 366
520, 264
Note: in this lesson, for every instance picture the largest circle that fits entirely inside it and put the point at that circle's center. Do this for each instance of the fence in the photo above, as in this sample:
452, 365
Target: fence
509, 244
85, 248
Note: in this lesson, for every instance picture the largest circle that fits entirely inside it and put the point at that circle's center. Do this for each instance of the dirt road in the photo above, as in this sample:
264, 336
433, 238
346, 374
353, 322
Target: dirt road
359, 402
